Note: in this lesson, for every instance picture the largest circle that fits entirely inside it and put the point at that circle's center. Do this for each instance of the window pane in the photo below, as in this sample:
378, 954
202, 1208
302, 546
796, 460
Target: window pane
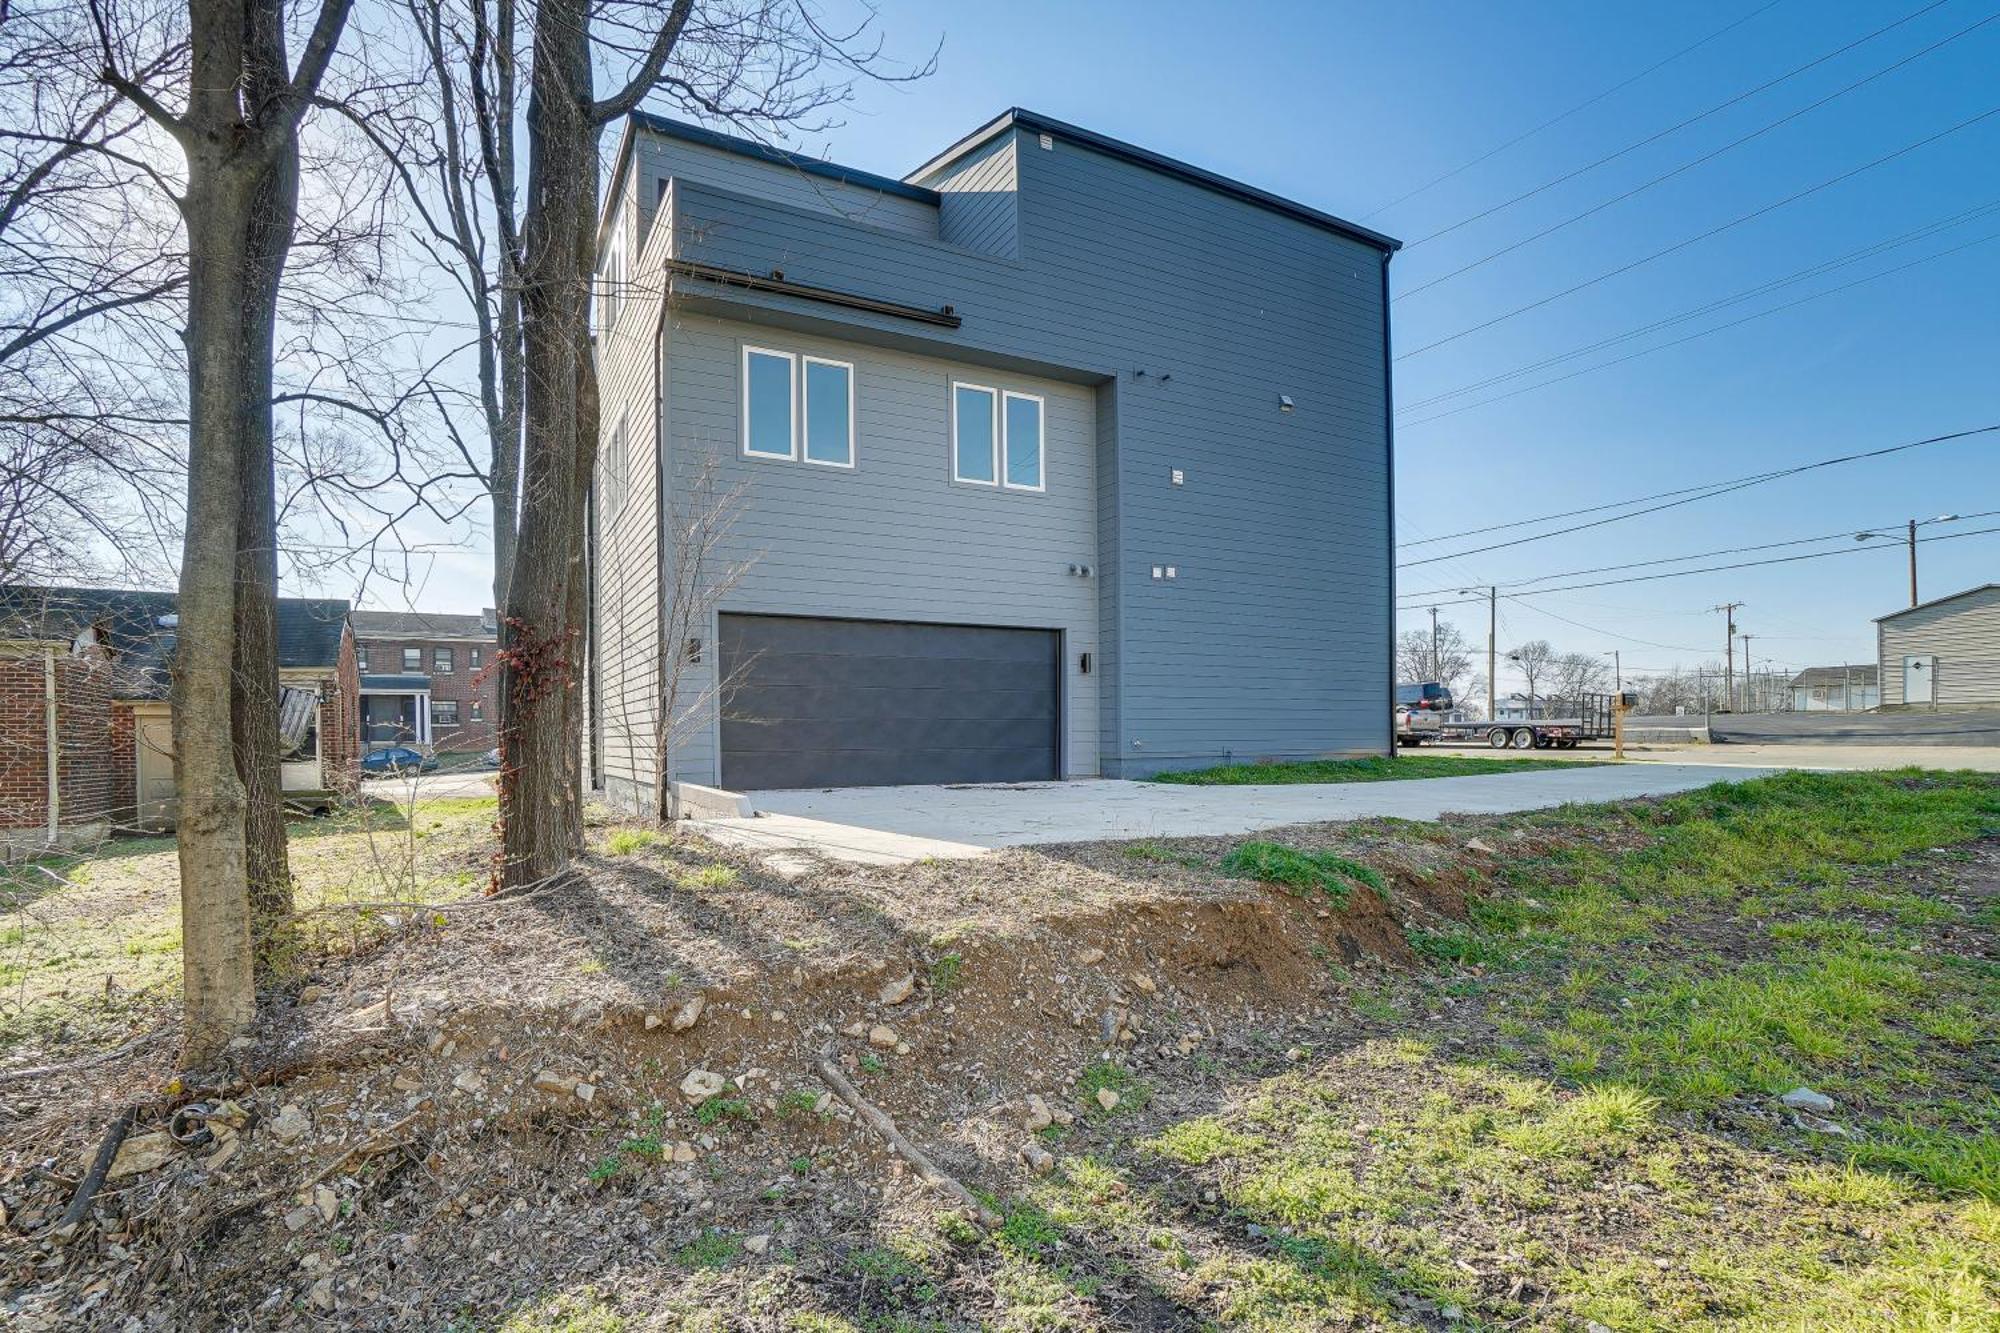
827, 400
441, 659
768, 404
413, 659
974, 426
1024, 442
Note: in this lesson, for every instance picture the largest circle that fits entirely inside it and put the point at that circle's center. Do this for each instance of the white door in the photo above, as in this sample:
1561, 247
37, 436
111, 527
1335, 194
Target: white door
1919, 680
153, 734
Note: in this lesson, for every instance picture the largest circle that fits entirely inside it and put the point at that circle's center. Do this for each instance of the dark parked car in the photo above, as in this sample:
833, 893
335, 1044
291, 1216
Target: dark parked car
398, 759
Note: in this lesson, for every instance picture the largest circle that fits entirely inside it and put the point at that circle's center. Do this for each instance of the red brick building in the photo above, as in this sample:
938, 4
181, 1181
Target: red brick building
427, 680
86, 743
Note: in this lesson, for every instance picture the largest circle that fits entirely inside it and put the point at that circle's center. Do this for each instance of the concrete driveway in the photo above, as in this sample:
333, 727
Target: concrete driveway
896, 825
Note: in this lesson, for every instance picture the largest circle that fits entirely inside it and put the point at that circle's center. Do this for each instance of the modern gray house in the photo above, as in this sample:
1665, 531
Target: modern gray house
1054, 458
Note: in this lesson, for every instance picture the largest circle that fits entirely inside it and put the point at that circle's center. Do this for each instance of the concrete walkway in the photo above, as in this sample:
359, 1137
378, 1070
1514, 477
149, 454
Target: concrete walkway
897, 825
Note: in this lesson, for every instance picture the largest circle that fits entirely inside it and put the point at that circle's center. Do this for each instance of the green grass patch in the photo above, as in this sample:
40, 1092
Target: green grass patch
1326, 873
626, 841
1376, 768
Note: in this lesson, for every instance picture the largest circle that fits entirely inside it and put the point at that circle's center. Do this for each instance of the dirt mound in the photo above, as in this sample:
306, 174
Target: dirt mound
494, 1102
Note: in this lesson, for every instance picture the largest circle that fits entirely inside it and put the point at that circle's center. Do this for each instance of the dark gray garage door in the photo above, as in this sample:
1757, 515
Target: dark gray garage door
871, 703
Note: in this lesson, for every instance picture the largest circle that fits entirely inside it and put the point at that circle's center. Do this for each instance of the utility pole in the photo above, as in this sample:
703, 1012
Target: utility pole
1728, 610
1913, 562
1437, 666
1748, 683
1617, 670
1492, 634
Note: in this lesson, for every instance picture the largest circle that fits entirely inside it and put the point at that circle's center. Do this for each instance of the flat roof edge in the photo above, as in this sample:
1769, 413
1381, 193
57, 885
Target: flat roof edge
1146, 157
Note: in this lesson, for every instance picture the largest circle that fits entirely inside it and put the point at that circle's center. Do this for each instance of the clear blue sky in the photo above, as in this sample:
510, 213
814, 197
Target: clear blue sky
1349, 106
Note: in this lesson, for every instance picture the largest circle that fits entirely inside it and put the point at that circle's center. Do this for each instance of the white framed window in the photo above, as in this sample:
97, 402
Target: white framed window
413, 659
975, 434
1021, 441
996, 438
770, 401
827, 412
613, 472
441, 661
611, 282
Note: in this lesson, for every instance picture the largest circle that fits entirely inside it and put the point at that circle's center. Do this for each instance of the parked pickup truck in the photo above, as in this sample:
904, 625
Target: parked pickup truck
1420, 710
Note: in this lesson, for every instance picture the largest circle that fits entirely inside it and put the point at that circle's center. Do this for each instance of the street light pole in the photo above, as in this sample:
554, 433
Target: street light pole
1437, 666
1910, 537
1492, 634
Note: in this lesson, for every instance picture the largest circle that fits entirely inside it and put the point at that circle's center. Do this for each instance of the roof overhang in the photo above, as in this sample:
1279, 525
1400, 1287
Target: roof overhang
1020, 118
1939, 601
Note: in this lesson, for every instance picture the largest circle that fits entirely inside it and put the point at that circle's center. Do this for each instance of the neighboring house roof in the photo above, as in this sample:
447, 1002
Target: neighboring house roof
140, 628
424, 625
1021, 118
1014, 117
1938, 601
1858, 675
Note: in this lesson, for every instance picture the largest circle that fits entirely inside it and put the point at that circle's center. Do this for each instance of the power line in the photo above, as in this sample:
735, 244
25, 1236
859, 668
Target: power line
1710, 494
1702, 159
1677, 127
1703, 333
1707, 569
1658, 495
1843, 534
1735, 298
1677, 246
1584, 105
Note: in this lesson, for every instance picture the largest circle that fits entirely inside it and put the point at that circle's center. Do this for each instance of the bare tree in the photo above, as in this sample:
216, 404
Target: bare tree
1536, 659
1574, 675
90, 270
1445, 658
237, 128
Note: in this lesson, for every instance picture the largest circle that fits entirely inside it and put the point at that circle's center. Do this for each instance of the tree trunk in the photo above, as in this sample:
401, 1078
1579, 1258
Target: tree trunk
540, 810
267, 242
220, 987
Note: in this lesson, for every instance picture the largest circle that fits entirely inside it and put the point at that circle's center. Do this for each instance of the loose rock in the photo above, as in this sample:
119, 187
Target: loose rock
1038, 1159
701, 1084
1039, 1116
897, 991
290, 1124
882, 1035
1805, 1099
689, 1013
1107, 1099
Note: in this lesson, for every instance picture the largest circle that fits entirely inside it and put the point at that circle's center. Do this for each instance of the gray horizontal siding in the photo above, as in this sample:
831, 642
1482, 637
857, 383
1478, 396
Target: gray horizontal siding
1196, 311
893, 538
1964, 635
979, 203
661, 158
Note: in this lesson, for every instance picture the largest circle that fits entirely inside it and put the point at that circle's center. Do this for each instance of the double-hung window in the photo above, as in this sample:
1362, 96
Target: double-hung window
798, 407
996, 438
614, 472
441, 661
413, 659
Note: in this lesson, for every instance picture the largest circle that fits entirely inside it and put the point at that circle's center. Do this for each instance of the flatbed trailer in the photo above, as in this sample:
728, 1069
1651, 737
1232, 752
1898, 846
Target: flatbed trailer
1591, 722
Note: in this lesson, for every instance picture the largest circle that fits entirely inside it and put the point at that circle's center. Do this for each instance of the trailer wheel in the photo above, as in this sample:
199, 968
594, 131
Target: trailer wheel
1523, 738
1497, 738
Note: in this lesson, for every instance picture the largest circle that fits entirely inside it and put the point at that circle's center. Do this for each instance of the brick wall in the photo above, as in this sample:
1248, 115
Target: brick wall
24, 773
465, 684
84, 738
86, 780
340, 721
123, 762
